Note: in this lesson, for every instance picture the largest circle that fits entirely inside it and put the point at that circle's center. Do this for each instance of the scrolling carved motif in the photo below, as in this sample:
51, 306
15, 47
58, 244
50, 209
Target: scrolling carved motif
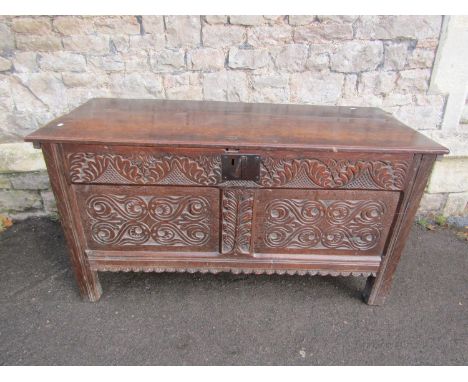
144, 168
332, 173
344, 224
140, 220
205, 170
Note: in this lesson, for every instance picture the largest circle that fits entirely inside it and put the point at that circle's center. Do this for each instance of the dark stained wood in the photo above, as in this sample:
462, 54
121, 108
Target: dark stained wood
139, 187
143, 218
223, 124
99, 164
346, 222
86, 278
377, 288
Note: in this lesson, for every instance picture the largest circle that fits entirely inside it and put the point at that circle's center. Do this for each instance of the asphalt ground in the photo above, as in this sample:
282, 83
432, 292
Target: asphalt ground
225, 319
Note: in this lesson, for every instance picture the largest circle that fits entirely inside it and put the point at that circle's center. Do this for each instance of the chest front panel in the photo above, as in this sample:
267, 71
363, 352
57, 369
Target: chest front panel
175, 202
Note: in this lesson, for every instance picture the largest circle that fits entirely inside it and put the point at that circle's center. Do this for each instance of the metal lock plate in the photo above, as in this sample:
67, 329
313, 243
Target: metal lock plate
240, 167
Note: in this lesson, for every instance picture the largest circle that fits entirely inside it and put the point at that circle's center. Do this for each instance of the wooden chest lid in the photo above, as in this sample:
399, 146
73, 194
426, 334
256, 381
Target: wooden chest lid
234, 125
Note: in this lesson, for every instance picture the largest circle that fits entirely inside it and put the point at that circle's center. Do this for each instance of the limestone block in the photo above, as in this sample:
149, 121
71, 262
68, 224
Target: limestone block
73, 25
148, 42
350, 86
30, 181
297, 20
246, 20
4, 85
137, 85
73, 80
319, 57
183, 31
449, 175
269, 35
316, 87
355, 56
420, 117
431, 203
19, 200
216, 19
396, 55
5, 64
270, 88
23, 97
338, 18
454, 140
456, 205
153, 24
47, 87
398, 27
167, 60
7, 40
116, 24
248, 58
413, 81
206, 59
119, 43
25, 62
318, 32
137, 62
186, 86
88, 44
79, 95
4, 182
40, 43
109, 63
220, 36
62, 62
421, 58
49, 203
19, 157
275, 19
32, 25
226, 86
291, 57
396, 99
377, 83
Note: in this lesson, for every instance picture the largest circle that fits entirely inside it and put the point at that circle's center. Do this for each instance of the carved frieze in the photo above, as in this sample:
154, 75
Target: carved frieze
144, 168
205, 170
332, 173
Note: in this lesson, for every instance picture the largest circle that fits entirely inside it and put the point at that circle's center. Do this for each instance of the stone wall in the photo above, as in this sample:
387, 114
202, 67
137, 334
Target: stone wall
50, 65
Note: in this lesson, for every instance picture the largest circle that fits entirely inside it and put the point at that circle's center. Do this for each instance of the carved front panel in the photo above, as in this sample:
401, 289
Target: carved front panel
88, 164
347, 222
165, 218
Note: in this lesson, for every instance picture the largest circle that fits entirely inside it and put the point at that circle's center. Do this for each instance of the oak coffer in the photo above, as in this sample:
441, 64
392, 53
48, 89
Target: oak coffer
189, 186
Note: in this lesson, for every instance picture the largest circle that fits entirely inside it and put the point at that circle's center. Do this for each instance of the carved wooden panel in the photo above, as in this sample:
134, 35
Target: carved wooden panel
333, 173
174, 168
143, 168
236, 221
299, 221
168, 218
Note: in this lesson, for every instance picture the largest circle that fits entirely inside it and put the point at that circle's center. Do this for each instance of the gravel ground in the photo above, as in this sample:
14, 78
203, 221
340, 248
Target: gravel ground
224, 319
